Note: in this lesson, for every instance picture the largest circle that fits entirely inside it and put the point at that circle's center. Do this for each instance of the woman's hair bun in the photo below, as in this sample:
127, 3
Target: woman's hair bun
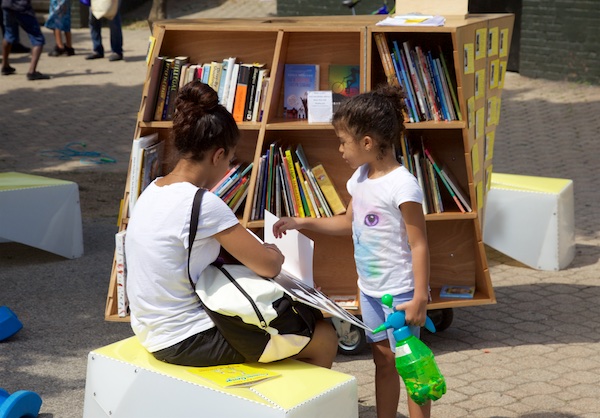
198, 98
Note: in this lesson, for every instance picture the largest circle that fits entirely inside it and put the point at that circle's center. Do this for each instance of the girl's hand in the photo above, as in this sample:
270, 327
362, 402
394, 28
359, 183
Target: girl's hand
283, 225
415, 312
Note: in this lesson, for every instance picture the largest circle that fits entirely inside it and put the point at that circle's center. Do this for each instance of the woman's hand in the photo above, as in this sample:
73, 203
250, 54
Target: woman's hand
274, 247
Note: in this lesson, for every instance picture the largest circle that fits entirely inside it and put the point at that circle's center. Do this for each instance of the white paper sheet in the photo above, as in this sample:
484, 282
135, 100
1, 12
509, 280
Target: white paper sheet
297, 249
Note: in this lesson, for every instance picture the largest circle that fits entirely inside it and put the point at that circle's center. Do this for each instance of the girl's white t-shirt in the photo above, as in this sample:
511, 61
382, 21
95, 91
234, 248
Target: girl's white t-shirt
381, 250
164, 308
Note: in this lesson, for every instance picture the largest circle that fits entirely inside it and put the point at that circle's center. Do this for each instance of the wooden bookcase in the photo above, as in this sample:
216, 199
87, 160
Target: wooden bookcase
456, 244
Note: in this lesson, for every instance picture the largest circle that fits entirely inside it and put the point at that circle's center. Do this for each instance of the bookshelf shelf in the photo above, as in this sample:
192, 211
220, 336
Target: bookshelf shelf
436, 125
462, 146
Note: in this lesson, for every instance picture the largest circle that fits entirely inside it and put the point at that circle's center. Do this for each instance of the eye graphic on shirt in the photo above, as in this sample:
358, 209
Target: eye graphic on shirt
371, 219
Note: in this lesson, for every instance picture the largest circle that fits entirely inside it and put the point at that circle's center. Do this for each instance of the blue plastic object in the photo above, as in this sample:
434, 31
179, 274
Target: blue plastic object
9, 323
21, 404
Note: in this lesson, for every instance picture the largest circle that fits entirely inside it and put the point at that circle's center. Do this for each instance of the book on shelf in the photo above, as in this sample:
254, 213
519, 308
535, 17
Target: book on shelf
214, 75
263, 96
344, 82
287, 184
419, 174
412, 114
299, 79
163, 88
457, 291
294, 184
429, 90
255, 214
225, 83
331, 195
252, 89
121, 274
178, 63
153, 88
234, 375
135, 172
386, 58
460, 193
241, 92
230, 99
450, 84
205, 76
261, 83
445, 181
152, 160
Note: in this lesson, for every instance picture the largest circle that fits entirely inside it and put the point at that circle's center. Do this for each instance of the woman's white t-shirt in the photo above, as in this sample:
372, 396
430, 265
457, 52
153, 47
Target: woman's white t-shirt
164, 307
381, 250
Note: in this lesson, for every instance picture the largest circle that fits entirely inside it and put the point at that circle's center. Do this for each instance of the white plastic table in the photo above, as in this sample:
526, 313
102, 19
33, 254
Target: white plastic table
41, 212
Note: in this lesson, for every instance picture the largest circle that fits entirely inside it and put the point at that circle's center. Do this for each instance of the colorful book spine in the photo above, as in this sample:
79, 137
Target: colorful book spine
164, 88
241, 92
121, 269
446, 184
331, 195
294, 182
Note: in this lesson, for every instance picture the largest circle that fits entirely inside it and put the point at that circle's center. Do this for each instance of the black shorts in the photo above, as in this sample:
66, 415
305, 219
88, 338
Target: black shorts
207, 348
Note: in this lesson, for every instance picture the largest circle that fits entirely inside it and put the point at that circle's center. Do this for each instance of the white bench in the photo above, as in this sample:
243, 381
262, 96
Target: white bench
125, 381
531, 219
41, 212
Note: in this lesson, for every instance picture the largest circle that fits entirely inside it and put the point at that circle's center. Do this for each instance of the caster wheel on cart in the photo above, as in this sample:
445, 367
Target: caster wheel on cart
442, 318
351, 339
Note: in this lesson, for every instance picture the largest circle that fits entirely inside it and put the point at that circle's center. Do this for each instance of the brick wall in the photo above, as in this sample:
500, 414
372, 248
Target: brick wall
560, 40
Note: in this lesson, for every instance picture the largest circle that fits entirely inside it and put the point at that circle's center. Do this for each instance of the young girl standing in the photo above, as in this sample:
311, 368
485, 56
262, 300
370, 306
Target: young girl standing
385, 218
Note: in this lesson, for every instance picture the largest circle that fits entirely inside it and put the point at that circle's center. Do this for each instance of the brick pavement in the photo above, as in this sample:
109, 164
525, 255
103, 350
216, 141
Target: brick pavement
534, 354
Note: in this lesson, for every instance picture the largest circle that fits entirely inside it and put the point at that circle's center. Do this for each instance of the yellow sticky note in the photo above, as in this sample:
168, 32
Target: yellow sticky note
479, 193
479, 83
475, 158
492, 42
491, 111
494, 73
480, 43
488, 178
498, 105
489, 145
471, 111
468, 59
479, 122
504, 42
501, 73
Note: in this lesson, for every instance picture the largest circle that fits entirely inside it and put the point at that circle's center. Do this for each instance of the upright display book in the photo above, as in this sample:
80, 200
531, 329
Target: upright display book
234, 375
344, 82
299, 79
456, 291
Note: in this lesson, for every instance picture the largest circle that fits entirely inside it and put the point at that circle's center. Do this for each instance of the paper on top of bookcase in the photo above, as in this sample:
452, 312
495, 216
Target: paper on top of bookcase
413, 19
298, 250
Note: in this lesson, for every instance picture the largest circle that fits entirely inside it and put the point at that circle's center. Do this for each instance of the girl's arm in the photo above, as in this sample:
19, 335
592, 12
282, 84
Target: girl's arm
263, 259
416, 310
335, 225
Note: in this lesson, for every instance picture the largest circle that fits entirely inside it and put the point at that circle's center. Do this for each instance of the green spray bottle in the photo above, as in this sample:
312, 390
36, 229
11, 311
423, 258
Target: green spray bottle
414, 360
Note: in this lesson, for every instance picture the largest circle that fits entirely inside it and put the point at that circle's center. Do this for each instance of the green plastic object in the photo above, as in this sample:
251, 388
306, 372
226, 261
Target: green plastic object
415, 362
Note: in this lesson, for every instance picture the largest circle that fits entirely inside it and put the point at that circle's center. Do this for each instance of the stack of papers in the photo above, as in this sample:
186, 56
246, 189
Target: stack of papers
413, 19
